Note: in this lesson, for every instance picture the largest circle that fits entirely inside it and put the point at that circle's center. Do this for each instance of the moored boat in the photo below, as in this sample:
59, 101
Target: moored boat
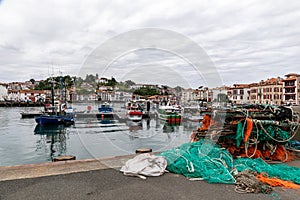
105, 108
57, 116
134, 114
170, 114
30, 114
134, 111
45, 120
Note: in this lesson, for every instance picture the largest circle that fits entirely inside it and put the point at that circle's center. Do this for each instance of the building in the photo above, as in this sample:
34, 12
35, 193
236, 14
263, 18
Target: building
122, 96
3, 92
218, 94
267, 92
26, 95
291, 89
138, 86
239, 93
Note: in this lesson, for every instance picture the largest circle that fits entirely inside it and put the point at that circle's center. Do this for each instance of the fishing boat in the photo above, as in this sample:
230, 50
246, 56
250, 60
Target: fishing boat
134, 112
105, 108
169, 113
58, 116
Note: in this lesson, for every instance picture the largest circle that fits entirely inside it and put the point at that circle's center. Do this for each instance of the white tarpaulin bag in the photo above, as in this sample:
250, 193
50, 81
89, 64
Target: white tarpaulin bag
145, 165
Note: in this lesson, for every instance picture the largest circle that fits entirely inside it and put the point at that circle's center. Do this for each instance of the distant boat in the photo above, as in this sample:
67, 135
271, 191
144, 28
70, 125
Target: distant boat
105, 108
134, 112
31, 114
169, 113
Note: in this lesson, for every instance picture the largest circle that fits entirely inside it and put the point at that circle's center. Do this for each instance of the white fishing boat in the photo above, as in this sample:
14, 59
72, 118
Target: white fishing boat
134, 111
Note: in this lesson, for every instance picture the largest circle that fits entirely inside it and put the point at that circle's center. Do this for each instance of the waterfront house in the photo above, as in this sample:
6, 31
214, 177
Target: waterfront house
267, 92
3, 91
239, 93
194, 96
291, 89
27, 95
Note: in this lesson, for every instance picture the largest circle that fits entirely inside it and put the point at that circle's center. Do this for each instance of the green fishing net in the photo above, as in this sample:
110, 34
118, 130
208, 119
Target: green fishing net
208, 161
269, 132
203, 159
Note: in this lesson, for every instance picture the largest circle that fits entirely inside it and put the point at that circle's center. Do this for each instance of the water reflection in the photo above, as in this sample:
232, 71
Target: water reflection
52, 140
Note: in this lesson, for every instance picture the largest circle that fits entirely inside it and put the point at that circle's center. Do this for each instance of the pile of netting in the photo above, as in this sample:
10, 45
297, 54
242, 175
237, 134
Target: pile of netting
253, 131
205, 160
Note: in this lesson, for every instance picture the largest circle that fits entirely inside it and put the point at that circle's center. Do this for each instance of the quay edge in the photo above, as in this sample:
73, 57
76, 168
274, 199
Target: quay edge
21, 104
61, 167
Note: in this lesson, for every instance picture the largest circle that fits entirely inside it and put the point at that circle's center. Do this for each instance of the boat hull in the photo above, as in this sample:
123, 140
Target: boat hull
135, 116
54, 120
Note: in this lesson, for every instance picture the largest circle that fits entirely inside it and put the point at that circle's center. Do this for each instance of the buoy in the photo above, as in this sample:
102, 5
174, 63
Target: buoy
143, 150
64, 158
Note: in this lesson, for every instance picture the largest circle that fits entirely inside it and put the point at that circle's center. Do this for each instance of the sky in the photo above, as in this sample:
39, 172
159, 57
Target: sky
241, 41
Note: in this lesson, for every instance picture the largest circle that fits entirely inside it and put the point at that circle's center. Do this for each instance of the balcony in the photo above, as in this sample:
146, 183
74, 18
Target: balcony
289, 86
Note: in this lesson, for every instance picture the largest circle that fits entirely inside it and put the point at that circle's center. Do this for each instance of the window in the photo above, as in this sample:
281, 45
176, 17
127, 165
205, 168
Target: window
241, 91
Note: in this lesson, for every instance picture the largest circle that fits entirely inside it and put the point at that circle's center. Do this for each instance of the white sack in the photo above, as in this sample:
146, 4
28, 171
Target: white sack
145, 165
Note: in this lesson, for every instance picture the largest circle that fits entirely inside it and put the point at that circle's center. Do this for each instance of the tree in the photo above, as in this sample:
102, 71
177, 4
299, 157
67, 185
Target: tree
129, 83
111, 82
146, 91
32, 80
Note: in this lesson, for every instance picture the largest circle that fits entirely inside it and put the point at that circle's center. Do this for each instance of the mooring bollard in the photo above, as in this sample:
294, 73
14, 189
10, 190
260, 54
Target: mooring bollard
143, 150
64, 158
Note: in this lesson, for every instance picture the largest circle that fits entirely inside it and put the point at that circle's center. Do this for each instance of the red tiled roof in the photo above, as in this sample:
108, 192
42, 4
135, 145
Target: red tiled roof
290, 79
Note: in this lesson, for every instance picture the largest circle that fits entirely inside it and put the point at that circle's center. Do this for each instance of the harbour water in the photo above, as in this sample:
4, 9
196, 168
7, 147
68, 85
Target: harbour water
22, 141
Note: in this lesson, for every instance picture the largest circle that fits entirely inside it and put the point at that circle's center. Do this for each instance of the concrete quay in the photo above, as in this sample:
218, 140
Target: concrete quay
101, 179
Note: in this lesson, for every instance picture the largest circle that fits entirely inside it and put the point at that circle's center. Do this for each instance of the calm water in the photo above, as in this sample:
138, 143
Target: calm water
23, 142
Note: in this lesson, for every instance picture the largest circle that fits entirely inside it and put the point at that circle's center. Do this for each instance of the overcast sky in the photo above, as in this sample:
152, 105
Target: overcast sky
246, 40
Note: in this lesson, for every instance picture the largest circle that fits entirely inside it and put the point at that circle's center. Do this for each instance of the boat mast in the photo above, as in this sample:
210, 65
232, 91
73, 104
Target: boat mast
52, 94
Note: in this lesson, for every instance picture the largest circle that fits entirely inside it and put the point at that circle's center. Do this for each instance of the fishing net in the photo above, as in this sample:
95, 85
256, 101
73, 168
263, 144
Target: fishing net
208, 161
261, 133
202, 159
258, 165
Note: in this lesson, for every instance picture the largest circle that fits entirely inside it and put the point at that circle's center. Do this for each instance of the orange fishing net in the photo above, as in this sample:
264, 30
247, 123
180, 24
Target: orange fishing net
280, 154
276, 182
248, 129
207, 122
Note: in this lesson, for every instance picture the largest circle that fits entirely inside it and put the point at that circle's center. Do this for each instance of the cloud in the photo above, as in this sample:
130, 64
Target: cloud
259, 38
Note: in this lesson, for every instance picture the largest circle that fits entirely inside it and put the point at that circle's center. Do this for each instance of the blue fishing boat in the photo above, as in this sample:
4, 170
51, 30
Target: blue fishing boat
56, 118
105, 108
